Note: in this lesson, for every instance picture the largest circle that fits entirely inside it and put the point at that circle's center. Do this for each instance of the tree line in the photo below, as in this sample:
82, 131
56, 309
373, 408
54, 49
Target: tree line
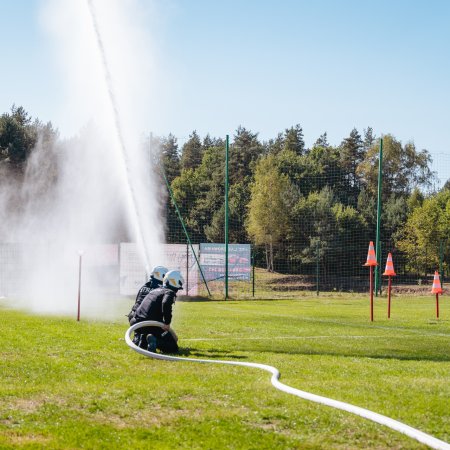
299, 206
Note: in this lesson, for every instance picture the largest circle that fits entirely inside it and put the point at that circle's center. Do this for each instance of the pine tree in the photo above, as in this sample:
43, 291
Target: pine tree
322, 141
191, 156
170, 157
244, 152
293, 139
275, 146
209, 142
17, 138
369, 138
351, 155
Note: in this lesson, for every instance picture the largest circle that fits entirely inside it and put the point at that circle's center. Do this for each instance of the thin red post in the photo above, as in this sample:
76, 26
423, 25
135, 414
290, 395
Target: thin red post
371, 261
436, 289
437, 306
79, 287
389, 272
371, 293
389, 297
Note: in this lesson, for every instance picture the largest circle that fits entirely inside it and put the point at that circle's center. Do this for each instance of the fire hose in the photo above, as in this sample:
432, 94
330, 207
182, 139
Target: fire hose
420, 436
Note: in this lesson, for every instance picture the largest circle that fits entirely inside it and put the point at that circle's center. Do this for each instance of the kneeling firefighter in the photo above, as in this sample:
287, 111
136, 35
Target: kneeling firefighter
155, 281
157, 305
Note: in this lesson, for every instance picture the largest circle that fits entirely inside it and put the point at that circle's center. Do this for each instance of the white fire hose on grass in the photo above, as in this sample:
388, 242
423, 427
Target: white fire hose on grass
367, 414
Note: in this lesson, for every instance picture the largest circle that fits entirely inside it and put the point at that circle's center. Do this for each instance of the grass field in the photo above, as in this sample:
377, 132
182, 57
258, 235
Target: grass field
69, 385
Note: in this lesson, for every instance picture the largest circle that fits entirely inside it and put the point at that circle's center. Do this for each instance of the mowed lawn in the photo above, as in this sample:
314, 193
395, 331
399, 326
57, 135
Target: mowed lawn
70, 385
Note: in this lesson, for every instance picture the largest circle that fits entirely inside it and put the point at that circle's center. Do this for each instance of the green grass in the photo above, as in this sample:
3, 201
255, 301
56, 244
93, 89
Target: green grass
69, 385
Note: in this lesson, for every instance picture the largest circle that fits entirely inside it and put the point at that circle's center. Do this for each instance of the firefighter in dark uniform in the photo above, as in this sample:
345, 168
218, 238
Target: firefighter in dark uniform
155, 281
157, 305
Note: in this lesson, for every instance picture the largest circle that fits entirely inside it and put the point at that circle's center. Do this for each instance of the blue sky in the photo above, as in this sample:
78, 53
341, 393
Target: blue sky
268, 65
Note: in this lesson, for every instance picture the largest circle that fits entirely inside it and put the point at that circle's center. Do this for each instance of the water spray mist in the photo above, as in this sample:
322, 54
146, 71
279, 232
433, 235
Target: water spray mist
119, 133
96, 189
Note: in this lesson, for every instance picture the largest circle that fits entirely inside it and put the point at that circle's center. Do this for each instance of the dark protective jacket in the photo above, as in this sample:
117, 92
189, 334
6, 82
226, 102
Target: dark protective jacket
143, 291
157, 305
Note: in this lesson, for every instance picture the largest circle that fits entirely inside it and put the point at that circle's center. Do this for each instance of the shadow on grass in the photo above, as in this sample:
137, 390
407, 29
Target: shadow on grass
212, 353
412, 355
225, 354
353, 354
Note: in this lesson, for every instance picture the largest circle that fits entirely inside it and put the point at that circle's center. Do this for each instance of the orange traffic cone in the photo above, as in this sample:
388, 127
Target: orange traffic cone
436, 289
389, 272
371, 258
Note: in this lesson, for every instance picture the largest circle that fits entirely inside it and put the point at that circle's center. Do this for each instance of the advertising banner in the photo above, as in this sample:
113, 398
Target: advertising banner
180, 256
212, 261
177, 256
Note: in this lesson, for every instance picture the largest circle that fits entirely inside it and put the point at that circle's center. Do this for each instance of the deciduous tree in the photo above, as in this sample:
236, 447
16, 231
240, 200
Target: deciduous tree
270, 207
423, 231
404, 168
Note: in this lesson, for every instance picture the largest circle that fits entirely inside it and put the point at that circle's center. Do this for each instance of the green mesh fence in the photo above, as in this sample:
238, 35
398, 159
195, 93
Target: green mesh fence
301, 219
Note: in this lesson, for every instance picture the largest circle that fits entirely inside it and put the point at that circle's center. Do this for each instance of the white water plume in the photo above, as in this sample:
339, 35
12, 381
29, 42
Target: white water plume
100, 188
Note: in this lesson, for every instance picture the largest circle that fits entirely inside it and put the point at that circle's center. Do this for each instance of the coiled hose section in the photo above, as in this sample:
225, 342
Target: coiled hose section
420, 436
